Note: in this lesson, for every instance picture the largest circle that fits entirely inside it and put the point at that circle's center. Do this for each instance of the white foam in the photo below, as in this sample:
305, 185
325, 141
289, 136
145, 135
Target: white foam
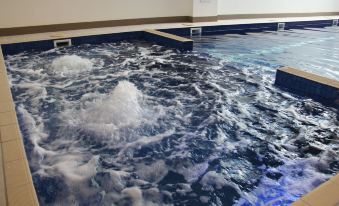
70, 65
135, 194
35, 129
193, 173
149, 139
75, 168
106, 114
197, 89
299, 177
154, 172
213, 180
204, 199
184, 189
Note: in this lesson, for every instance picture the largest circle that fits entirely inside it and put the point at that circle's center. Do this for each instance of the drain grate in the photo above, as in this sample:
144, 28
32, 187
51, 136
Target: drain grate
62, 43
196, 31
281, 26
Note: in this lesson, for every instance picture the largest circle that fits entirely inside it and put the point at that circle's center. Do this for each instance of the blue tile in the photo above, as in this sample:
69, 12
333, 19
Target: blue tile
183, 32
305, 87
10, 49
106, 38
308, 24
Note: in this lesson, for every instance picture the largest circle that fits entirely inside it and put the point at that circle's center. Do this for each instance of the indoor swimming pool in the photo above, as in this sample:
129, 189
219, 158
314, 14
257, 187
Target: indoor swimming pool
133, 123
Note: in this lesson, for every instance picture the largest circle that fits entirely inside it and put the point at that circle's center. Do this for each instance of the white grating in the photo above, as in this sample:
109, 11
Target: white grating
62, 43
281, 26
196, 31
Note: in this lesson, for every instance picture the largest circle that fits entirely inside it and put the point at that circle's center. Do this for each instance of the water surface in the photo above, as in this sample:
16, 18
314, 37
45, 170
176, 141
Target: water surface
133, 123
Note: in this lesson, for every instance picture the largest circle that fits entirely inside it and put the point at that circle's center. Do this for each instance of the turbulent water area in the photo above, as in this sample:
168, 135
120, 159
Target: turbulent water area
135, 124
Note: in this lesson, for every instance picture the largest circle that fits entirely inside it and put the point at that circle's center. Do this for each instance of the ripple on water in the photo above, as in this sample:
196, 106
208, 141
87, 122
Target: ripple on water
134, 124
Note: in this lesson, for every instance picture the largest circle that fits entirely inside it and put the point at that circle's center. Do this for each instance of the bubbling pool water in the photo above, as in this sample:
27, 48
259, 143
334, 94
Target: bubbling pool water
105, 115
139, 124
70, 65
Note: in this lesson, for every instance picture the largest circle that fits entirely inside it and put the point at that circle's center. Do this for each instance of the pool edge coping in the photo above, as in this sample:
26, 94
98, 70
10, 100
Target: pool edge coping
159, 26
17, 187
316, 198
311, 76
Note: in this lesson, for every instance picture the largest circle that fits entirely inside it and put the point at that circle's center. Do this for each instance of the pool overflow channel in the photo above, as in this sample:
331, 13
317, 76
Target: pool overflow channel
296, 81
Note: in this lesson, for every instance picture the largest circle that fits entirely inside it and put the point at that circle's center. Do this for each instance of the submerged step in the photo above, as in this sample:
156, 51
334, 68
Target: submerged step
170, 40
320, 88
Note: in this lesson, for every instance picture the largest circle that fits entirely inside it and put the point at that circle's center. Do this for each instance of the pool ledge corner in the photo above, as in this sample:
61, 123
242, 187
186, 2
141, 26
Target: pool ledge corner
166, 39
303, 83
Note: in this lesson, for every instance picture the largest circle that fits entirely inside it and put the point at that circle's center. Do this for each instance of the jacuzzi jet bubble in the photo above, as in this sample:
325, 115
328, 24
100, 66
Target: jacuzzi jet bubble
110, 116
70, 65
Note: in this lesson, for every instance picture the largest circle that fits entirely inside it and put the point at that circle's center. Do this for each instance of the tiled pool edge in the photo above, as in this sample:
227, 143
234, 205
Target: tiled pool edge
167, 39
303, 83
3, 195
13, 45
326, 194
17, 187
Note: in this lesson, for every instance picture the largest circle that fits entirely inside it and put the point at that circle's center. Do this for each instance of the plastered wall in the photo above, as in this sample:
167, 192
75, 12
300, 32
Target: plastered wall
18, 13
229, 7
22, 13
204, 8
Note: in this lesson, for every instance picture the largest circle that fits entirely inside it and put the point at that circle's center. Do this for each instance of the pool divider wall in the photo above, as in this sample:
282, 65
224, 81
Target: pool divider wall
43, 45
16, 184
251, 28
326, 194
303, 83
167, 39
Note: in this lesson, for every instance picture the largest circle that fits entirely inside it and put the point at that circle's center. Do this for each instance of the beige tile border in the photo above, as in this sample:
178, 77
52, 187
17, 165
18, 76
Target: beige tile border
169, 36
204, 19
312, 77
16, 185
88, 25
326, 194
77, 32
3, 194
279, 15
155, 20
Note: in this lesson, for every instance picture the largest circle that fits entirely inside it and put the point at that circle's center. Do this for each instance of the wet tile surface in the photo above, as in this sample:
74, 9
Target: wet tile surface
16, 186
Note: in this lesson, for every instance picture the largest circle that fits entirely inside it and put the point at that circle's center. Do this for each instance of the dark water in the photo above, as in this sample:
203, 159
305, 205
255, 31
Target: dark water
137, 124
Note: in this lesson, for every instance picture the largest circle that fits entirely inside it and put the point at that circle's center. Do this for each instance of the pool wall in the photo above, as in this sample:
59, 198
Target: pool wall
167, 39
43, 45
306, 84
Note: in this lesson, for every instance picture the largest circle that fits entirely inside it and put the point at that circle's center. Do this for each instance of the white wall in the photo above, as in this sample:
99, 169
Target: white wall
229, 7
17, 13
203, 8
